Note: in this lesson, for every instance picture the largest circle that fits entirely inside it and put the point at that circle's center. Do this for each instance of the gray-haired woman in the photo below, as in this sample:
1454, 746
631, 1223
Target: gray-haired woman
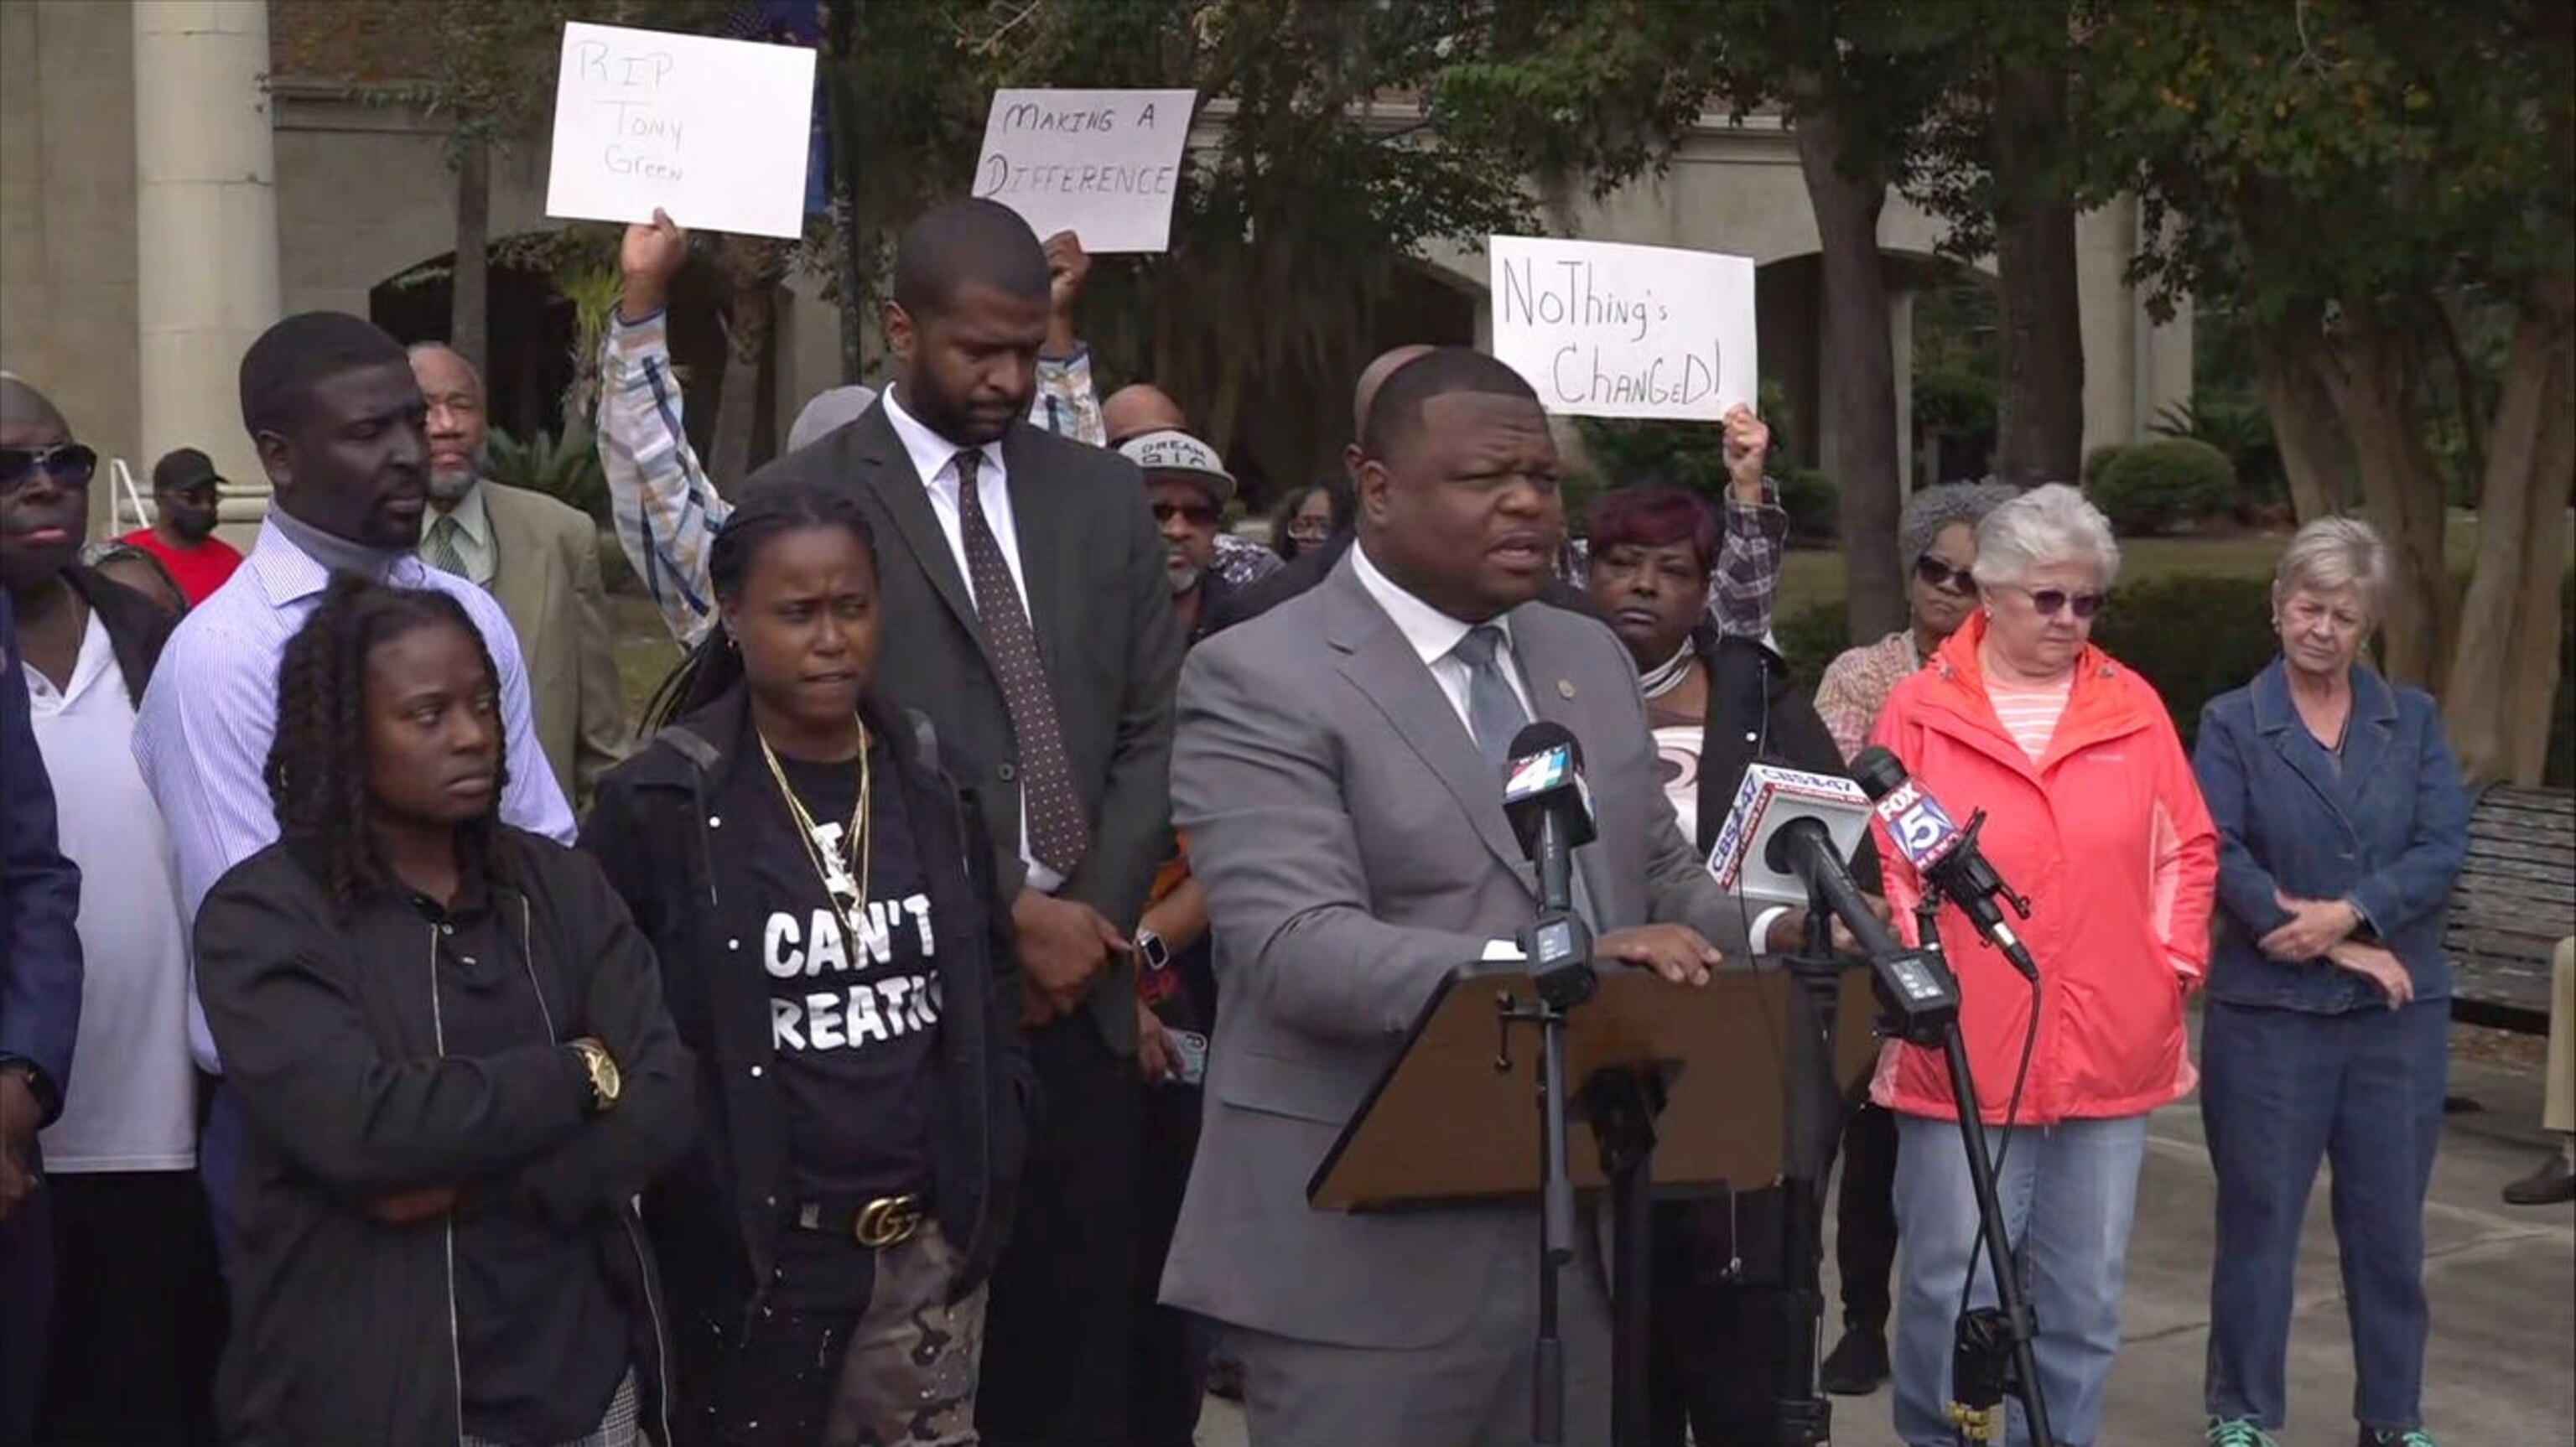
2341, 823
1938, 538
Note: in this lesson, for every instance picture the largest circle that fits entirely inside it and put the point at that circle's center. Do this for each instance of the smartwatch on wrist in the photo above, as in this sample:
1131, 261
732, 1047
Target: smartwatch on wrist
1150, 946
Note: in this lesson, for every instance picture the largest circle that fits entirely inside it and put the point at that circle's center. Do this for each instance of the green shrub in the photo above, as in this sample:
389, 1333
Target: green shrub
2098, 459
2152, 487
1811, 638
2193, 637
566, 470
1811, 500
616, 570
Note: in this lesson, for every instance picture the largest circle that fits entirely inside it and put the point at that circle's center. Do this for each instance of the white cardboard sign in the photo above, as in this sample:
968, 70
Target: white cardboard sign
1603, 329
716, 132
1102, 164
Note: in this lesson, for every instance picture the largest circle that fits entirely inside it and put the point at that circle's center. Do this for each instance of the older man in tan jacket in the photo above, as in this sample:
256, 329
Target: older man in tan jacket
539, 559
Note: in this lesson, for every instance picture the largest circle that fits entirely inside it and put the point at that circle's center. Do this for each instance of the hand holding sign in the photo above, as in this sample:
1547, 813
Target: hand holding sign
1103, 164
717, 130
1607, 330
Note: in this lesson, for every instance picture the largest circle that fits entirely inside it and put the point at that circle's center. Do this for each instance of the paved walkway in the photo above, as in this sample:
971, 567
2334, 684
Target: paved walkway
2502, 1371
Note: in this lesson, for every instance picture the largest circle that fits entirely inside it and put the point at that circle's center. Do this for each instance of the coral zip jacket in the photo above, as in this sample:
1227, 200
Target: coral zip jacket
2108, 838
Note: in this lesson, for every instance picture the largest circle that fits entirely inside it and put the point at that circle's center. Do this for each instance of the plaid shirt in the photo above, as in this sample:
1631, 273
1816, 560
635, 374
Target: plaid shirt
665, 508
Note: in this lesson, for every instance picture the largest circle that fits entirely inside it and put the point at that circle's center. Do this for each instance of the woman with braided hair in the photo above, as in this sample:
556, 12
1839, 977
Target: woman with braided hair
834, 948
450, 1048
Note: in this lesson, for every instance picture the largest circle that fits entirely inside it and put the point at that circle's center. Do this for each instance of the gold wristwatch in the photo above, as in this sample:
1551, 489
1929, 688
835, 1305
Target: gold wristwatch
605, 1083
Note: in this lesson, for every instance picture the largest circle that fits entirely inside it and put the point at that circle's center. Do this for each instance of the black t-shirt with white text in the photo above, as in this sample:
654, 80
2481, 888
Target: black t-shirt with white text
853, 1008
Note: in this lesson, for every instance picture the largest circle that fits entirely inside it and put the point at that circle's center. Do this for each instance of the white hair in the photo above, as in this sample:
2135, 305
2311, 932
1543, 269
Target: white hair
2049, 524
2331, 555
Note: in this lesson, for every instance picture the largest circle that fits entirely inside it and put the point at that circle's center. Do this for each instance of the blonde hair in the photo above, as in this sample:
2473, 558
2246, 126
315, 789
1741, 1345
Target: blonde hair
2332, 555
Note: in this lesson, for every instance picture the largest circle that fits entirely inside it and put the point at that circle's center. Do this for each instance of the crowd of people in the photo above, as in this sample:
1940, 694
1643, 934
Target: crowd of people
400, 1044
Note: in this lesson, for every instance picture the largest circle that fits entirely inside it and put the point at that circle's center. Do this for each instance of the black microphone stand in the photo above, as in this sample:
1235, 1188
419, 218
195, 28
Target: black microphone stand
1993, 1355
1802, 1415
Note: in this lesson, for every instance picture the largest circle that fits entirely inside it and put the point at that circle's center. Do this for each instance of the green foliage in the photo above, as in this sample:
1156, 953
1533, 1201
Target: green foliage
1811, 638
1955, 400
1813, 503
566, 470
2194, 638
1683, 454
2237, 427
2155, 486
2099, 459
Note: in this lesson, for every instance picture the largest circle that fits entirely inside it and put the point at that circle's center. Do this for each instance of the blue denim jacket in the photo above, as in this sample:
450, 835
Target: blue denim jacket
2386, 828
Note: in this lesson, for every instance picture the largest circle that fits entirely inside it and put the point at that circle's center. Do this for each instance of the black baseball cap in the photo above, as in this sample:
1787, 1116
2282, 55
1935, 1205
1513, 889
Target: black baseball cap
183, 469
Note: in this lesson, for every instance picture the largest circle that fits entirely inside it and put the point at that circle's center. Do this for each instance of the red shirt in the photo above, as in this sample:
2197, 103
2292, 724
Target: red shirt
198, 571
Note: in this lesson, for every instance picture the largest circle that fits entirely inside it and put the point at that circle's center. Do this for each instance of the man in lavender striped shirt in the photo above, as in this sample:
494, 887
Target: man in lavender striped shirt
330, 403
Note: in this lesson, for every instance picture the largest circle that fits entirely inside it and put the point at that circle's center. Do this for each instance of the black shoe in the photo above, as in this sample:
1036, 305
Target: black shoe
2554, 1182
1857, 1365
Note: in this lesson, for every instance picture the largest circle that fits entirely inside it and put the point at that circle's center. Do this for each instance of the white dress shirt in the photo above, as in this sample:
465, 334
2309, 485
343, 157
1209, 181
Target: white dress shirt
934, 459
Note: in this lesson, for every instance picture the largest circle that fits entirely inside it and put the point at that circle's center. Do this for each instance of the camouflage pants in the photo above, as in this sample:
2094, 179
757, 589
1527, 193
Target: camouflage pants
901, 1373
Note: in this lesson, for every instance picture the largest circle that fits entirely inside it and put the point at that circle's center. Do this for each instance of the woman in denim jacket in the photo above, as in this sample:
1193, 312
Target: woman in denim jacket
2341, 822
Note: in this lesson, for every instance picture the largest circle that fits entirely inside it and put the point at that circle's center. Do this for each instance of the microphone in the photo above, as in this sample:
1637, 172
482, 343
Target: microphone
1769, 799
1550, 810
1944, 853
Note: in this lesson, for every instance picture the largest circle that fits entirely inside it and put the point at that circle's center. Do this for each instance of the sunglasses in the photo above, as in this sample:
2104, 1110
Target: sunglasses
1310, 530
70, 464
1935, 573
2051, 601
1199, 515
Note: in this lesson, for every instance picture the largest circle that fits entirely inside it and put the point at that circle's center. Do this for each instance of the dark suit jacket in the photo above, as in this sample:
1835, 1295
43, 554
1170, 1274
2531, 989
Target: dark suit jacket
40, 954
1101, 604
1316, 564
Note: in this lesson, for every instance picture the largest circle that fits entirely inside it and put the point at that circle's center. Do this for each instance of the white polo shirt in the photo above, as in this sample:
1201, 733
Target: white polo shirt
130, 1104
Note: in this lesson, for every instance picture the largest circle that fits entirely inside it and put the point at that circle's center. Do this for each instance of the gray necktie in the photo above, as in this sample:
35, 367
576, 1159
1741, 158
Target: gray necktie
1495, 715
438, 548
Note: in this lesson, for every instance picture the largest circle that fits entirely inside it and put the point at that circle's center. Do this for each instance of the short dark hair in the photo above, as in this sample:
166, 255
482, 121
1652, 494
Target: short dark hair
974, 240
1653, 515
1397, 412
768, 511
281, 369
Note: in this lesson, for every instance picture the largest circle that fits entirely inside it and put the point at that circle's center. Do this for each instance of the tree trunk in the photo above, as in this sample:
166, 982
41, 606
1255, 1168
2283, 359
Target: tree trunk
470, 292
2040, 433
2304, 425
1860, 370
753, 267
2400, 487
2505, 677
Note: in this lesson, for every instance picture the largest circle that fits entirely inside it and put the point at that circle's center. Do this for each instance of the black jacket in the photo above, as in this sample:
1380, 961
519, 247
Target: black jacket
137, 629
714, 1219
343, 1326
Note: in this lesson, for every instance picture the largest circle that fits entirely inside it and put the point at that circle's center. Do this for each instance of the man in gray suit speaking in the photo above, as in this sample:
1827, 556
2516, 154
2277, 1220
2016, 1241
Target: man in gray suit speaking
1338, 773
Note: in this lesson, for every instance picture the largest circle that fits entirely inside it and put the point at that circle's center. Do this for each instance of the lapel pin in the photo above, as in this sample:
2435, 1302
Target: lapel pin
1564, 688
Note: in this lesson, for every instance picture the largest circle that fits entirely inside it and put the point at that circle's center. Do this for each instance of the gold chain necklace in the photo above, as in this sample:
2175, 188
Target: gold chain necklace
860, 841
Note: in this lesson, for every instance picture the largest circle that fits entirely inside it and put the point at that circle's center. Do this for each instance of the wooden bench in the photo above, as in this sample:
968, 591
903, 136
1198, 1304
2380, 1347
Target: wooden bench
2515, 900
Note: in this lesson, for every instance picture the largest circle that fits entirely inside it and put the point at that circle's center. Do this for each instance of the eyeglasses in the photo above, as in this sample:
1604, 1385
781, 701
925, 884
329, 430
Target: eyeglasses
2051, 601
1310, 530
1934, 573
1200, 515
69, 464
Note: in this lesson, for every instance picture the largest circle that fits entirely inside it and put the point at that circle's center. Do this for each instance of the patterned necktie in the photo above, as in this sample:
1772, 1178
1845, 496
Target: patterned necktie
1495, 715
1057, 834
438, 549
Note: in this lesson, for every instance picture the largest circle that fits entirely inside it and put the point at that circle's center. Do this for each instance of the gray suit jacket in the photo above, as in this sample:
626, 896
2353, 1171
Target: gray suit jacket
547, 581
1353, 847
1101, 604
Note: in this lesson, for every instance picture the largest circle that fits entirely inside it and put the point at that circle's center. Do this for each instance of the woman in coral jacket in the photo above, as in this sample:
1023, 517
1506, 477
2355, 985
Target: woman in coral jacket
2092, 812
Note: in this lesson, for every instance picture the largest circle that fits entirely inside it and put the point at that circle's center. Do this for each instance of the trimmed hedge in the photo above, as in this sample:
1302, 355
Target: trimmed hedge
1813, 503
2155, 486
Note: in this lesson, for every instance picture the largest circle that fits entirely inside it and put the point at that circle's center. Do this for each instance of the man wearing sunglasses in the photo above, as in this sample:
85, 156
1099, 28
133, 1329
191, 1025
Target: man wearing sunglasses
186, 494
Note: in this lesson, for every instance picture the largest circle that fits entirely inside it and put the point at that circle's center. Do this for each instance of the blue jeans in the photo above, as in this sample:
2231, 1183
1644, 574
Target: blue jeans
2281, 1089
2069, 1193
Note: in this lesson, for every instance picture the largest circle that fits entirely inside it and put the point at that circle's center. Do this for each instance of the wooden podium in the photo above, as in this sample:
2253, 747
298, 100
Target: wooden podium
1453, 1120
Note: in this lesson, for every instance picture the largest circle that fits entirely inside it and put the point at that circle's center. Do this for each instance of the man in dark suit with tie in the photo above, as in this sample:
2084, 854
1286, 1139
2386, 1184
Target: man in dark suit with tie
1029, 616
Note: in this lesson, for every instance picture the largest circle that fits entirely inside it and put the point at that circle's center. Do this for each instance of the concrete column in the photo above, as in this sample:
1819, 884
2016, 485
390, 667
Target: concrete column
205, 173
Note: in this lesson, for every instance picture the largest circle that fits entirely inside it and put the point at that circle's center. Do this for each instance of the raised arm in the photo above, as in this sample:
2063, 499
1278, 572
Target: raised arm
1756, 534
665, 509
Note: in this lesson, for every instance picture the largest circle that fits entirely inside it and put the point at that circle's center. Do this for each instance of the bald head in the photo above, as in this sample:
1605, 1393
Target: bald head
23, 409
1136, 410
1373, 376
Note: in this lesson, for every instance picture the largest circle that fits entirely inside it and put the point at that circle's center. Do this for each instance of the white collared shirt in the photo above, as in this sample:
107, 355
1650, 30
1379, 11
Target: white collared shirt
1435, 637
934, 460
